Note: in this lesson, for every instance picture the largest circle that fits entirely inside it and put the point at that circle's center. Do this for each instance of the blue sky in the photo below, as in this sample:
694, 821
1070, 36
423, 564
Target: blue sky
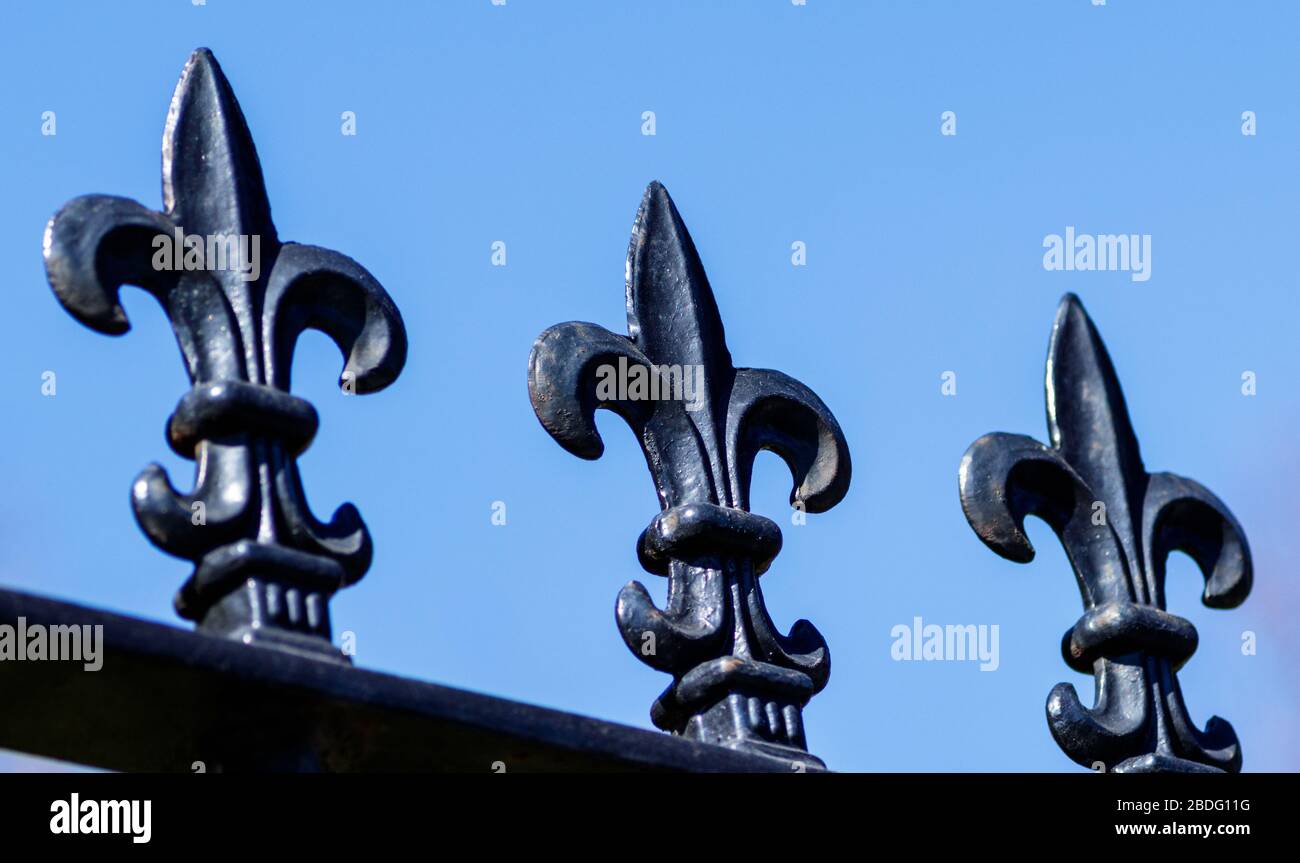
775, 123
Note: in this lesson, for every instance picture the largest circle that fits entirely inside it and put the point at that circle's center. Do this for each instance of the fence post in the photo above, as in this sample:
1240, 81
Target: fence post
1118, 525
737, 681
237, 299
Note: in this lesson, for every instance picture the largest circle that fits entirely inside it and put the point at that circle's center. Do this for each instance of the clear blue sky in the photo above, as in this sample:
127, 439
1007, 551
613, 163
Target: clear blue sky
775, 123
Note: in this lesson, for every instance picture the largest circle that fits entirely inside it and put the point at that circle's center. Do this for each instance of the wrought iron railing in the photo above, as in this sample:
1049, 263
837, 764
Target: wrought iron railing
260, 686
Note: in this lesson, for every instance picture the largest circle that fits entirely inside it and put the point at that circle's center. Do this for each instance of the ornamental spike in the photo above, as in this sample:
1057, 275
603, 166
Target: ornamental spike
237, 299
1117, 524
737, 680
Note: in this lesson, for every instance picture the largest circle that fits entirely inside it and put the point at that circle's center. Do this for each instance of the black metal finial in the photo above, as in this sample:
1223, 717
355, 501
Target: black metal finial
737, 681
265, 568
1118, 525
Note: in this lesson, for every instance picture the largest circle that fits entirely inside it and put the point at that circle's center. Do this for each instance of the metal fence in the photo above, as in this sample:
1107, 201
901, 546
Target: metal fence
259, 685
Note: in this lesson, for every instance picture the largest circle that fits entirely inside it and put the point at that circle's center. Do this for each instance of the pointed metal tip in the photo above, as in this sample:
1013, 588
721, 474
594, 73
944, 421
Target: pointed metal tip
1070, 302
656, 197
212, 180
658, 212
671, 312
1085, 401
1070, 307
657, 217
200, 58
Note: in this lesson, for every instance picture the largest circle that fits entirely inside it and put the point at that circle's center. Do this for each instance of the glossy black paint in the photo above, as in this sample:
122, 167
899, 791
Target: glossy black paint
265, 567
737, 681
171, 701
1118, 525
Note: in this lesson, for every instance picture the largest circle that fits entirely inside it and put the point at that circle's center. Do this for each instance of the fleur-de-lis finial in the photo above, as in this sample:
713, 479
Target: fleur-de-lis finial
1118, 525
237, 299
737, 681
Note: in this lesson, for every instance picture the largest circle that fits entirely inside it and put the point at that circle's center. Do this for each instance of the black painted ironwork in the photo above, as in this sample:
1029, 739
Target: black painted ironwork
237, 298
265, 567
166, 700
737, 681
1118, 525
